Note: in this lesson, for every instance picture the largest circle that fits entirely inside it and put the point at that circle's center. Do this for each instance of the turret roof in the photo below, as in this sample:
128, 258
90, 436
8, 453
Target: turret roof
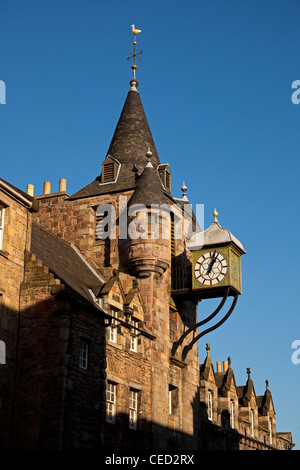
131, 141
149, 189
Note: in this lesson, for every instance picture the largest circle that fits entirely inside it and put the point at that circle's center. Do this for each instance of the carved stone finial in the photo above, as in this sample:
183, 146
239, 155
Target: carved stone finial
229, 362
267, 384
248, 372
207, 348
149, 154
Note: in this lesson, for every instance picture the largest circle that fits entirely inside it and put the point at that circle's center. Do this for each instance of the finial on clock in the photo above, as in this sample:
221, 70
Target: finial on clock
215, 214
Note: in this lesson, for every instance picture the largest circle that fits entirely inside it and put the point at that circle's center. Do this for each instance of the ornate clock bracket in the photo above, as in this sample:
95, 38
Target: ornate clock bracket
188, 347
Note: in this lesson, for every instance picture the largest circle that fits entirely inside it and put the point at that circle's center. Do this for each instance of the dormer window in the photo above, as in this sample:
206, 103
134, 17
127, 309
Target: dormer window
2, 213
109, 170
165, 176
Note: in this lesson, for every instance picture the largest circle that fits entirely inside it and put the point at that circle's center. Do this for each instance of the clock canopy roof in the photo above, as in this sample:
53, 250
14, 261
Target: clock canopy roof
213, 236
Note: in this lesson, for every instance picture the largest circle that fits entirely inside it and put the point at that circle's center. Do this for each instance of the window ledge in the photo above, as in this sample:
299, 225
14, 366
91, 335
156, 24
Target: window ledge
114, 345
5, 254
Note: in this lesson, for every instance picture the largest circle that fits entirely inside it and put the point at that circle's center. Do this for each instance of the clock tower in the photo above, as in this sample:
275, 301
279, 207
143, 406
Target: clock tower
216, 262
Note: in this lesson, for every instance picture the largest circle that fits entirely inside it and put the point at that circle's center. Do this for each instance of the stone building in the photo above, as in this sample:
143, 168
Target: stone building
88, 321
234, 417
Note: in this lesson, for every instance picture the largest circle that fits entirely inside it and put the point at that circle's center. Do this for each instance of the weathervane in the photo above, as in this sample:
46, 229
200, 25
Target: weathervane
134, 54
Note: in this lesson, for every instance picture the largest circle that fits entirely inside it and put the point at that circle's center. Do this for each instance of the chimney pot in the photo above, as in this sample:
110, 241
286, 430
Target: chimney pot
62, 185
219, 366
47, 187
30, 189
225, 366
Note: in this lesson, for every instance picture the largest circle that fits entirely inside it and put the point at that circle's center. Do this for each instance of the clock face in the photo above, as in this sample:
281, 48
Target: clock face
211, 268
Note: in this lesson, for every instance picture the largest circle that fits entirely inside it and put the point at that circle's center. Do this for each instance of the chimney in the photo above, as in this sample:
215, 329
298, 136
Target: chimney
219, 366
62, 185
47, 187
30, 189
225, 366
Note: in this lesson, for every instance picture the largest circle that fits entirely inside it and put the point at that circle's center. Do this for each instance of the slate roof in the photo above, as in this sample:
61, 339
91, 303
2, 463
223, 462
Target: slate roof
149, 189
66, 263
131, 141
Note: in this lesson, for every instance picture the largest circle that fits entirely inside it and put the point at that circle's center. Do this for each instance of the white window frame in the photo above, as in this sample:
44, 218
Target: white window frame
2, 215
83, 354
111, 401
133, 408
210, 405
134, 336
113, 332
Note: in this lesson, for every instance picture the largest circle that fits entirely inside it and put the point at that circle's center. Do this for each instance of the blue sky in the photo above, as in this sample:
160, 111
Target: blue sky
215, 81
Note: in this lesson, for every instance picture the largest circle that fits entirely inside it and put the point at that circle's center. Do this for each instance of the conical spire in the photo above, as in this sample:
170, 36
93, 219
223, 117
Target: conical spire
131, 140
149, 189
132, 136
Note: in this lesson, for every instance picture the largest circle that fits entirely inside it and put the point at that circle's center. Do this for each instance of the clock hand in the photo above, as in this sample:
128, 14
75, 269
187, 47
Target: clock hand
211, 264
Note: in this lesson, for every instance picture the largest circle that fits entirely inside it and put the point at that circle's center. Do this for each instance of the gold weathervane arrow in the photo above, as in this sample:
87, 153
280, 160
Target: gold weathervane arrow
134, 55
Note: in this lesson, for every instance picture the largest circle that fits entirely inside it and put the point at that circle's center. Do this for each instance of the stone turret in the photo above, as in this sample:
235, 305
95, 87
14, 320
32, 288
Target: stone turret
148, 241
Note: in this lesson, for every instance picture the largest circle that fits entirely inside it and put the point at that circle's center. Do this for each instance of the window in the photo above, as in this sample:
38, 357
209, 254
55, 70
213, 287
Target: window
172, 235
2, 353
104, 222
173, 399
171, 324
133, 408
168, 180
134, 336
109, 170
165, 176
231, 410
210, 405
113, 332
270, 430
252, 423
83, 354
2, 212
111, 398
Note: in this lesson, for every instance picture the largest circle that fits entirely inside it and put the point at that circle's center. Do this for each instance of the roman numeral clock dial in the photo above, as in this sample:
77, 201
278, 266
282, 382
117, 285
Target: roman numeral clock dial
211, 268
